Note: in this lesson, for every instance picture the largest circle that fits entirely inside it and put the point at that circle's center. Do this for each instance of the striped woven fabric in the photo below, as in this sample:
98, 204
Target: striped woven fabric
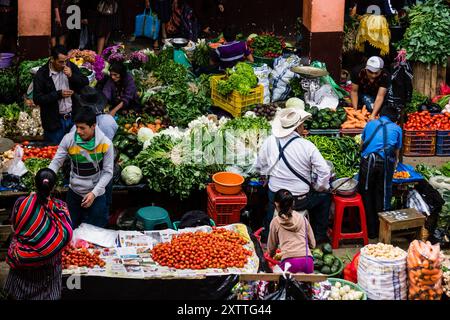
40, 232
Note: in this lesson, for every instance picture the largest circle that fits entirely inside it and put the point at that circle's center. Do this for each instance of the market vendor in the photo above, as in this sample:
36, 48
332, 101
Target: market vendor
381, 143
232, 51
370, 85
35, 262
53, 87
120, 90
289, 161
91, 155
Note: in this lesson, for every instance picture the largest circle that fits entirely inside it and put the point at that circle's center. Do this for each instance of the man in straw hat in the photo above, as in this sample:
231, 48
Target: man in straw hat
289, 161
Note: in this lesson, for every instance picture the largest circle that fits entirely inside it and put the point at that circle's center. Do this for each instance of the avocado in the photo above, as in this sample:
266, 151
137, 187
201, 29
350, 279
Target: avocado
315, 125
318, 264
317, 254
334, 269
314, 111
325, 270
327, 249
336, 263
324, 125
328, 260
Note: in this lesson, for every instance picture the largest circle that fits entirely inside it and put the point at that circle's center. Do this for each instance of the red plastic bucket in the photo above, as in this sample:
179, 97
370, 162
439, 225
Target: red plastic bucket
6, 59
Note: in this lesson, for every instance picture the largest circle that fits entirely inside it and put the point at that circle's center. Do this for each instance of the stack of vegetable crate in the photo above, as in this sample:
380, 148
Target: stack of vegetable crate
419, 143
235, 102
443, 143
225, 209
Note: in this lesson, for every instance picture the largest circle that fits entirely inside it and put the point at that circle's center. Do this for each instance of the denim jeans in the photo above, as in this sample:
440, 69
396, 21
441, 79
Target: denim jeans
367, 100
55, 137
97, 215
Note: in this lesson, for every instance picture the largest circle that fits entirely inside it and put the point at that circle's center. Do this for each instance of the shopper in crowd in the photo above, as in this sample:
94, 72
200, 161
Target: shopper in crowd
370, 85
163, 9
120, 90
104, 21
91, 155
289, 161
232, 51
53, 87
291, 232
183, 22
41, 230
8, 19
205, 11
59, 22
381, 143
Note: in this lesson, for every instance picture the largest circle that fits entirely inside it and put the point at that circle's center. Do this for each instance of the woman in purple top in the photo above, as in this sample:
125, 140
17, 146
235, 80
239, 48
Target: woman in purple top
120, 90
232, 51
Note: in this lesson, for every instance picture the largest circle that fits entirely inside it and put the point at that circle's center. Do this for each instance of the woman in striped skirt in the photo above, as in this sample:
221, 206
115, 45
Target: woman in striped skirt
42, 229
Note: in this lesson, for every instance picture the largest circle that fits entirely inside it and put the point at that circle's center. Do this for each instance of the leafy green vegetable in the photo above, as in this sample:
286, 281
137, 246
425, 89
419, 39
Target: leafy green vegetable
8, 85
417, 100
427, 39
242, 79
248, 123
25, 76
343, 152
446, 169
34, 165
266, 45
162, 175
427, 172
10, 112
201, 54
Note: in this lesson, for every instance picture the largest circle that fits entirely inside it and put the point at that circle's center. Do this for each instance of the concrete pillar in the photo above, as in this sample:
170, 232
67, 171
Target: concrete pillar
323, 32
34, 19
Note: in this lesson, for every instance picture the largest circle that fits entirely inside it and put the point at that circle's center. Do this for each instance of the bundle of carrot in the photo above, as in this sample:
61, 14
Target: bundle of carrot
356, 119
424, 271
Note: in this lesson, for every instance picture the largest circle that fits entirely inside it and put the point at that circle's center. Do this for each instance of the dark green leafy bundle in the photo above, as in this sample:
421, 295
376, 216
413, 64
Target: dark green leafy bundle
8, 85
10, 112
163, 175
343, 152
427, 172
427, 38
201, 54
127, 144
25, 76
248, 123
417, 100
446, 169
296, 88
183, 104
241, 78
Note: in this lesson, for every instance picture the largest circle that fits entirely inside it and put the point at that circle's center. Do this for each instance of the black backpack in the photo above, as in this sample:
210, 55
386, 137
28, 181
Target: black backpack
194, 219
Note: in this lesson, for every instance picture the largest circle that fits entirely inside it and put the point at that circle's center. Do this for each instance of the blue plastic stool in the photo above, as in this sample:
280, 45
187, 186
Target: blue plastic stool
149, 217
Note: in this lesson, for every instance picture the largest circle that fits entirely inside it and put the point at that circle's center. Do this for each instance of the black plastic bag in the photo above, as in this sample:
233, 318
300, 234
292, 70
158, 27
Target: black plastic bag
289, 289
194, 219
12, 182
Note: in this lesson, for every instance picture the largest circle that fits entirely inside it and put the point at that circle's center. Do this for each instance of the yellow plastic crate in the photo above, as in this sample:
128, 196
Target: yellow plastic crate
234, 102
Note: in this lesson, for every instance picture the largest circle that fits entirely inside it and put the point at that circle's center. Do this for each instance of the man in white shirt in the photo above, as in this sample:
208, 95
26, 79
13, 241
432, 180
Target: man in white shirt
290, 161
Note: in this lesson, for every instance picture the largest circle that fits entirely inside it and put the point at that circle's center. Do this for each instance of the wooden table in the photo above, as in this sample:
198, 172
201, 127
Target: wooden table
398, 220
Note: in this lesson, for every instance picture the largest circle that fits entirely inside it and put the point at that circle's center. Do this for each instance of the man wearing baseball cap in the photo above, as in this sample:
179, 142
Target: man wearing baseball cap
370, 85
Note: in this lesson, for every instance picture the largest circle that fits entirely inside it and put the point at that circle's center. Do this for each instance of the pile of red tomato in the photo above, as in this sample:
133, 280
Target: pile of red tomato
219, 249
47, 152
423, 121
72, 257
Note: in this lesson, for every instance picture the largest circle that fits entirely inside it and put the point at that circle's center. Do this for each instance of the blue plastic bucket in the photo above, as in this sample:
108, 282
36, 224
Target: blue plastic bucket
6, 59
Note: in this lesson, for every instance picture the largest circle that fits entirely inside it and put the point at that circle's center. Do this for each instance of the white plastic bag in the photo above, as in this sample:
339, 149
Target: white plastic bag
263, 74
282, 75
95, 235
382, 279
17, 167
415, 201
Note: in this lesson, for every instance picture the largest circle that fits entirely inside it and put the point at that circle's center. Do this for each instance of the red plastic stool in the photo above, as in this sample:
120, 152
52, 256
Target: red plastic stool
340, 204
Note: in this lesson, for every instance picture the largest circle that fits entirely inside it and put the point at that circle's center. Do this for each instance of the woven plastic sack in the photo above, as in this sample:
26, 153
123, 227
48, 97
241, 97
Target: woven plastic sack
424, 271
382, 279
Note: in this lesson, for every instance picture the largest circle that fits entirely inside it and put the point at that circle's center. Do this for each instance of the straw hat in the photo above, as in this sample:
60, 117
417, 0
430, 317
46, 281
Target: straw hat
288, 120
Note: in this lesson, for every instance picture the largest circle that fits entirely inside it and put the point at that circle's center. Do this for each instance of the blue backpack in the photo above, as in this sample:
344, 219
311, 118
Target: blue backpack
147, 25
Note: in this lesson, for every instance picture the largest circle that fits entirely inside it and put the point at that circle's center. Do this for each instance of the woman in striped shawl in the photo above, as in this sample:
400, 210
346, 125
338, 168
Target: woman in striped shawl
42, 228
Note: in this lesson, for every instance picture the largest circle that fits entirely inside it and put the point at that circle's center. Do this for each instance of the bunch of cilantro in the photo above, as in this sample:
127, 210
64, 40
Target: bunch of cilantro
241, 78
